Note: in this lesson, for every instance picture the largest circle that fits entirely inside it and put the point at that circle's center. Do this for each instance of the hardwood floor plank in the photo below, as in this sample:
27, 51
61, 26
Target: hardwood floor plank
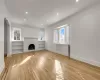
45, 65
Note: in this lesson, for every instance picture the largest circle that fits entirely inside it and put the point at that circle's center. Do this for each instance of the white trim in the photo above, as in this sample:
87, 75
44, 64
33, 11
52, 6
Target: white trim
30, 38
9, 55
94, 63
66, 34
91, 62
9, 43
61, 26
14, 29
1, 68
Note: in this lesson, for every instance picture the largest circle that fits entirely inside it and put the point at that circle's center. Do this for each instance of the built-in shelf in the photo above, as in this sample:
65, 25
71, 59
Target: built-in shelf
17, 46
17, 49
41, 45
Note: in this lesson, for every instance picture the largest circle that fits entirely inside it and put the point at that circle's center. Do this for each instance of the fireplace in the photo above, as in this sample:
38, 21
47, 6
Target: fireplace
31, 47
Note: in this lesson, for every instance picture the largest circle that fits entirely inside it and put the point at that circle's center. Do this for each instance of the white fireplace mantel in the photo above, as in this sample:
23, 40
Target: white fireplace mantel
28, 41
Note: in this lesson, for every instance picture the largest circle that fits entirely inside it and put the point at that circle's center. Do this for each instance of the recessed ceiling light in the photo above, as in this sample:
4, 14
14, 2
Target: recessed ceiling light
26, 12
24, 19
57, 14
41, 24
77, 0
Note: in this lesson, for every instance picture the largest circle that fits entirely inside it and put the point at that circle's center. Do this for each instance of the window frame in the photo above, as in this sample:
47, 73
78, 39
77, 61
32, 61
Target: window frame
16, 29
66, 34
56, 35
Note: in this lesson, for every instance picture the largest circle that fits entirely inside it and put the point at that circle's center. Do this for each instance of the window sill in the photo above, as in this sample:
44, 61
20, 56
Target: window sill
61, 43
17, 41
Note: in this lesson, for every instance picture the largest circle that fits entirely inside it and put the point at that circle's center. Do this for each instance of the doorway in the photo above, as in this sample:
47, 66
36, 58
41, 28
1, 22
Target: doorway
6, 36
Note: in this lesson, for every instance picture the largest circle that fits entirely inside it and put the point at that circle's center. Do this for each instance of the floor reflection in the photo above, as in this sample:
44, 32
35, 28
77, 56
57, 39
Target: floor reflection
81, 75
59, 72
14, 65
41, 62
25, 60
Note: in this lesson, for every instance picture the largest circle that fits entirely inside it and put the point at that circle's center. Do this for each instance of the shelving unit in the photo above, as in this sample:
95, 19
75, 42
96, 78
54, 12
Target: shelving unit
17, 47
41, 45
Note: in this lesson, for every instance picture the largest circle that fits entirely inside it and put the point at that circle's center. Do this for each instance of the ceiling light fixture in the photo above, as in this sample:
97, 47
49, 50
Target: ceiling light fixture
57, 14
26, 12
24, 19
77, 0
42, 24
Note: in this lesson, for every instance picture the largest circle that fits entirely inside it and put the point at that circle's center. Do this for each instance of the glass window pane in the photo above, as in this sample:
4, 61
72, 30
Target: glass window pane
62, 35
16, 34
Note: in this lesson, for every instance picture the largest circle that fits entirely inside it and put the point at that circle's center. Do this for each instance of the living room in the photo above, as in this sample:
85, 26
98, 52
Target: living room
49, 39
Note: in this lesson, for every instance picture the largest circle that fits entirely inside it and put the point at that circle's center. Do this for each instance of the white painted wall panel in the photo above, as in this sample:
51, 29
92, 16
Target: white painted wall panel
84, 35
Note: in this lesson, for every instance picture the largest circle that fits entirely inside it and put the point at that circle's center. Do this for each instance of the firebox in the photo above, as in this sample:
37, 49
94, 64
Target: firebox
31, 47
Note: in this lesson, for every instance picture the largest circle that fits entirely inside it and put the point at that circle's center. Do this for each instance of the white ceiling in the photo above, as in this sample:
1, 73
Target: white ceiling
42, 13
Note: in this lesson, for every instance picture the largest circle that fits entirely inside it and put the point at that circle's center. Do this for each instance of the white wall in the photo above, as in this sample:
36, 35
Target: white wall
27, 31
84, 35
3, 14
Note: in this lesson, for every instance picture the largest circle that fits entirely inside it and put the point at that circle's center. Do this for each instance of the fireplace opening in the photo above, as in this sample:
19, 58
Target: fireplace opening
31, 47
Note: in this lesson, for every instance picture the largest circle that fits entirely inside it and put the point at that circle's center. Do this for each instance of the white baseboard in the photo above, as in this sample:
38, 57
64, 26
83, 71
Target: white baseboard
58, 52
1, 68
9, 55
95, 63
91, 62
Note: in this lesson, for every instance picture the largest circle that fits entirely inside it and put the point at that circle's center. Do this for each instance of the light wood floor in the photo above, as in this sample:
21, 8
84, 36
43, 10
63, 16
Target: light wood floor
45, 65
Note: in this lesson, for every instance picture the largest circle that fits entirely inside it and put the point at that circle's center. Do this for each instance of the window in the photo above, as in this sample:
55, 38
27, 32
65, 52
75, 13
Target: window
16, 34
56, 36
41, 35
61, 35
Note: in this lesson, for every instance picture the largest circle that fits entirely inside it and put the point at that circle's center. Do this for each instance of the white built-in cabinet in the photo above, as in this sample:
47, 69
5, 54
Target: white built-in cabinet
41, 45
17, 46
